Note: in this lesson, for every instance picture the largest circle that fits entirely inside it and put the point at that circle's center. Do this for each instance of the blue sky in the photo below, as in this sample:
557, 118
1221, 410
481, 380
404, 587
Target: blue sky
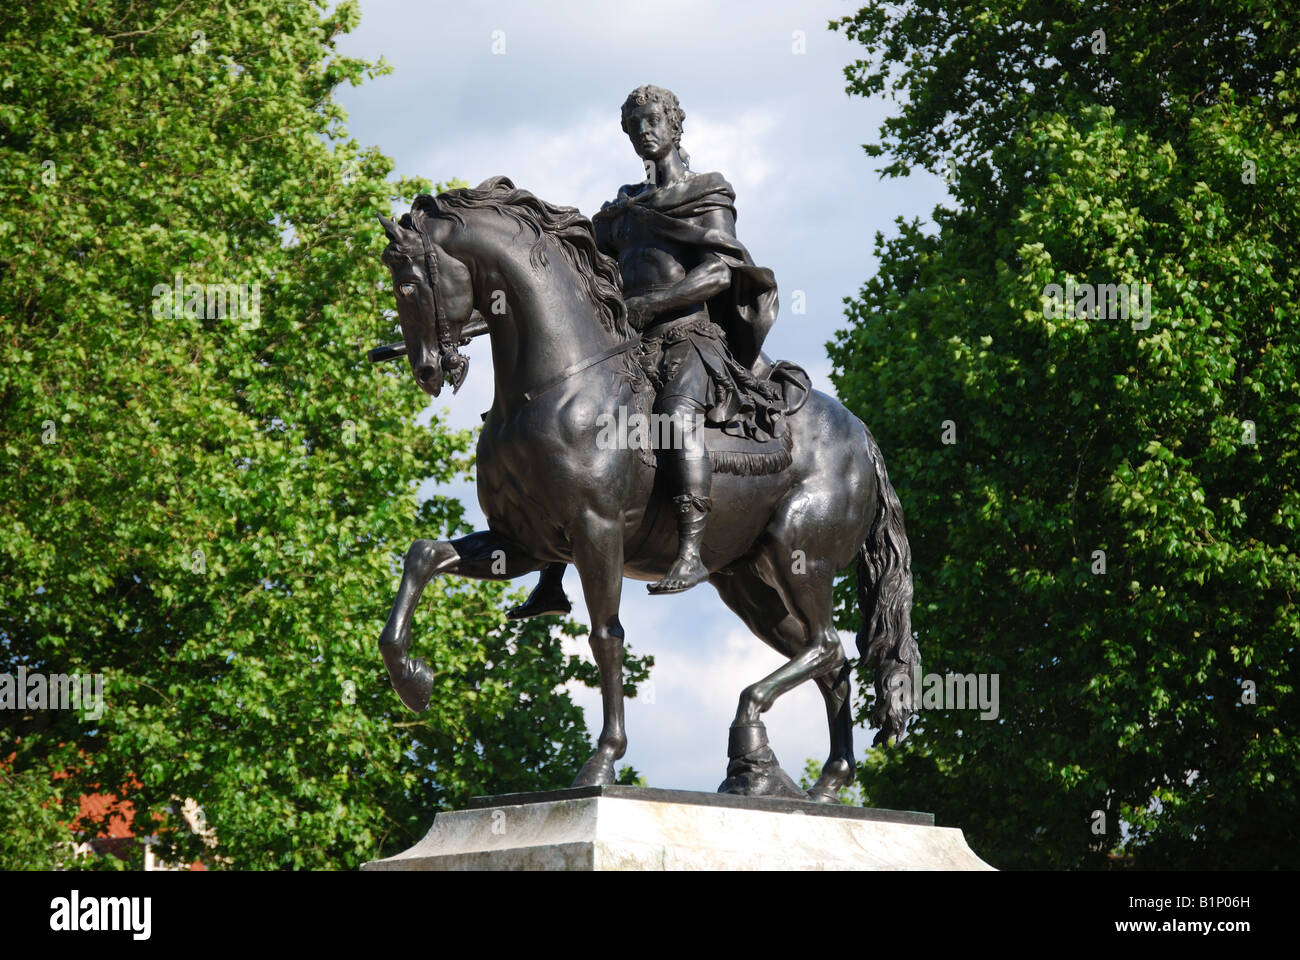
544, 110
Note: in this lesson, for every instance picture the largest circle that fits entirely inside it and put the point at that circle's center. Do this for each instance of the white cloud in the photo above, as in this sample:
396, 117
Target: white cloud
739, 148
579, 165
680, 740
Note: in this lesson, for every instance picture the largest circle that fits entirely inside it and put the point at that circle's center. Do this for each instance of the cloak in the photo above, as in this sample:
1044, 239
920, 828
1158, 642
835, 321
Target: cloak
747, 309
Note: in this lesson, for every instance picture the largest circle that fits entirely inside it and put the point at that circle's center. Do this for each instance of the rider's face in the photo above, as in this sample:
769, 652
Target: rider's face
650, 130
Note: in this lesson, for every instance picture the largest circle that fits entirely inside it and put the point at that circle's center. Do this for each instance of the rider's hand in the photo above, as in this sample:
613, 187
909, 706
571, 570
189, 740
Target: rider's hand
639, 311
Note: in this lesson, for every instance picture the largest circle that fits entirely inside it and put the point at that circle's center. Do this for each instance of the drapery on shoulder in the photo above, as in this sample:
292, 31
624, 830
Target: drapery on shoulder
747, 309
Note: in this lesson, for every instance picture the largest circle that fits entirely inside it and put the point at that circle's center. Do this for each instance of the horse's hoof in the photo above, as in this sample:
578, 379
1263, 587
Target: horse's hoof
597, 771
765, 781
416, 686
758, 774
823, 796
836, 775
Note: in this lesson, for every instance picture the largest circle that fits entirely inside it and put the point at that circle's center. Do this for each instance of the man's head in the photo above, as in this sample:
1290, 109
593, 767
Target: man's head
652, 119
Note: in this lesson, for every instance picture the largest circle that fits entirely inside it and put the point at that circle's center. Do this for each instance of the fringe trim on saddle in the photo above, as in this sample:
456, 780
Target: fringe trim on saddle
741, 463
747, 464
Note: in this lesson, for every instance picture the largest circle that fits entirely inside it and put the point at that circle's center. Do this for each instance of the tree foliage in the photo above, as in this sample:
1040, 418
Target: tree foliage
209, 509
1113, 531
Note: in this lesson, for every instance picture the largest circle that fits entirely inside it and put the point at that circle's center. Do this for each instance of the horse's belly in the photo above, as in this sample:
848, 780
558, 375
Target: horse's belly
742, 508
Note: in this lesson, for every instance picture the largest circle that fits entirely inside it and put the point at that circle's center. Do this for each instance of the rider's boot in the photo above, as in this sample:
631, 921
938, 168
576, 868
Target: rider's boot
693, 503
547, 598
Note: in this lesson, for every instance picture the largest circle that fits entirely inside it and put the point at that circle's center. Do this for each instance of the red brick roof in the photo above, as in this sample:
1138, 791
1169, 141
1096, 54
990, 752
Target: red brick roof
100, 810
103, 816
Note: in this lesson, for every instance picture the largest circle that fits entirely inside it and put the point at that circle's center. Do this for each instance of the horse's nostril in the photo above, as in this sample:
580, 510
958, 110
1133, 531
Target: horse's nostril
425, 373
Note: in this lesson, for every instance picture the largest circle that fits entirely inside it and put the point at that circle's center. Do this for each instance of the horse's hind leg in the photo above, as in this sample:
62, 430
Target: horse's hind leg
764, 612
840, 767
482, 556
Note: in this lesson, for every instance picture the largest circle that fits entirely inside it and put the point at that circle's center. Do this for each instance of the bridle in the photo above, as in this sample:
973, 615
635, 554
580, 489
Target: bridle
454, 364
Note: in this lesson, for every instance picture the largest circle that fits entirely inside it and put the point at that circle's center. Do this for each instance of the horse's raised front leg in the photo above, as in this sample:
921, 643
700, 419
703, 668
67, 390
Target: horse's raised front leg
598, 555
481, 556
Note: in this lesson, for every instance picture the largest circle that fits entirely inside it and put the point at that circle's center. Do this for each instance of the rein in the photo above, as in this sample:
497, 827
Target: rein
455, 365
575, 368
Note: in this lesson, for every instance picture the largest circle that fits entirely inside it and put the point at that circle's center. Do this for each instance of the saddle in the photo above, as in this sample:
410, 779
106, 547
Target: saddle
743, 456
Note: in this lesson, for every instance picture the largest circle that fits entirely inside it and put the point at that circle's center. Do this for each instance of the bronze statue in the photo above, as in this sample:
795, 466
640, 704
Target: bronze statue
794, 484
692, 290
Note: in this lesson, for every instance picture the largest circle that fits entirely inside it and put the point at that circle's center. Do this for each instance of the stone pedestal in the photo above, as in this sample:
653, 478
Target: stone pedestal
633, 828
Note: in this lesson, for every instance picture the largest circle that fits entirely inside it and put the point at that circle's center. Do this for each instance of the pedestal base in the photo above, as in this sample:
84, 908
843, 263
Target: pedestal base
633, 828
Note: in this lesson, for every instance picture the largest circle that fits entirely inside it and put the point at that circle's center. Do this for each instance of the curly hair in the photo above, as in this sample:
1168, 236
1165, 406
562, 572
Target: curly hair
649, 93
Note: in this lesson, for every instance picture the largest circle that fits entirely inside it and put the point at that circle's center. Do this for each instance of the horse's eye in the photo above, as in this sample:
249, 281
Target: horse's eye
408, 289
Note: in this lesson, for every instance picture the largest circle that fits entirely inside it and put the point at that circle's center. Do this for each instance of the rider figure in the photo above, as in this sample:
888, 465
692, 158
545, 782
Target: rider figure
703, 309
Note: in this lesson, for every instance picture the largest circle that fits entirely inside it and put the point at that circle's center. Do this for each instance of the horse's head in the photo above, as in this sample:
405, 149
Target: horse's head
486, 241
435, 301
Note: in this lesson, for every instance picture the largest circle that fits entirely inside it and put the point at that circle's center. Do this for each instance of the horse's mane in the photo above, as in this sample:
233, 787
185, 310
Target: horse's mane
576, 239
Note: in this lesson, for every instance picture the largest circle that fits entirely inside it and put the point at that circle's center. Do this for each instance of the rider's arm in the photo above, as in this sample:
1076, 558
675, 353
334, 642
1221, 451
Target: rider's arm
710, 277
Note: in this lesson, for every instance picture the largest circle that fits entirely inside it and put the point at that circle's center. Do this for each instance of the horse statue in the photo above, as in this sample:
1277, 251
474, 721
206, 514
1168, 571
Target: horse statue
497, 260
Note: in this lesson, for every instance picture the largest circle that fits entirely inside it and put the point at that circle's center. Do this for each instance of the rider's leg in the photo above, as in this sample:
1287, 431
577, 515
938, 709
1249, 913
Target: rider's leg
548, 597
693, 478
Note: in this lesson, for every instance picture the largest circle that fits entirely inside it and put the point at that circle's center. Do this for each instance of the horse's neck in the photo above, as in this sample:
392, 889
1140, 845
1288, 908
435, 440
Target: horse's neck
548, 327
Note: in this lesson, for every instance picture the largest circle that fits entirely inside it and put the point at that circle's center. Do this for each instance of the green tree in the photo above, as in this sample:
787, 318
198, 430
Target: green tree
1110, 526
207, 505
35, 834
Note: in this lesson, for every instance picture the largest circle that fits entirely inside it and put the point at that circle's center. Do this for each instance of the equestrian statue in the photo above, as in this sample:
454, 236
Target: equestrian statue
651, 313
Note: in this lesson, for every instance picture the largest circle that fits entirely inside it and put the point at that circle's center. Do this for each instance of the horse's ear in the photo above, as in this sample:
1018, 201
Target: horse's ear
390, 228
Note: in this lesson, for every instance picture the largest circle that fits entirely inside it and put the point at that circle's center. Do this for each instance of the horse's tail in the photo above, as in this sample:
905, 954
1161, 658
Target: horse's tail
885, 605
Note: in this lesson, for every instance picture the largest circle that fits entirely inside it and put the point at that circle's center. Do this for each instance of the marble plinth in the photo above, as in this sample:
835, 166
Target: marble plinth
633, 828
